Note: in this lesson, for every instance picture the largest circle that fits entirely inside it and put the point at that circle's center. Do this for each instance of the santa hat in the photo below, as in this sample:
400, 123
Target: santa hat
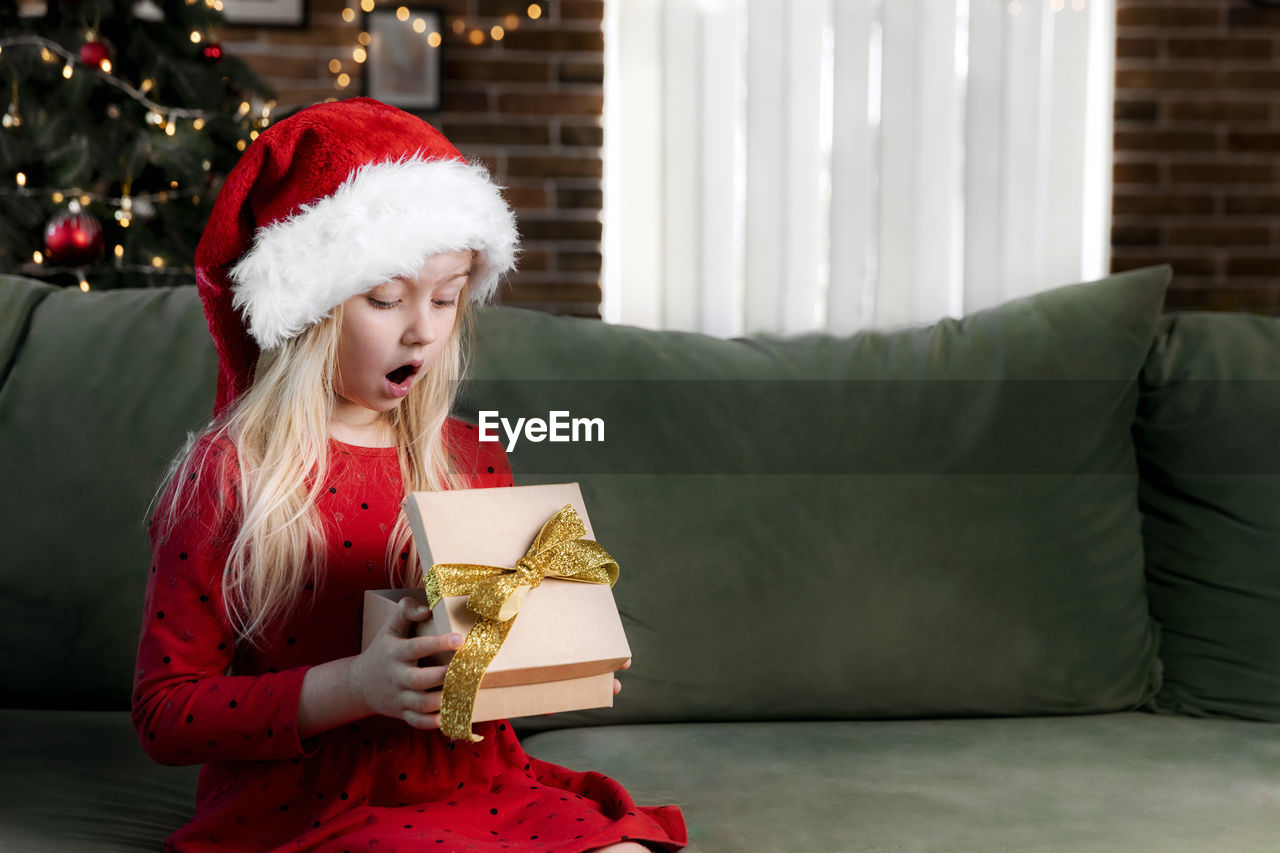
327, 203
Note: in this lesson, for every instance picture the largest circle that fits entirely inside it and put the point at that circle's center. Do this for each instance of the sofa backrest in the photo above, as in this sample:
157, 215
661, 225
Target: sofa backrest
926, 521
1208, 440
98, 392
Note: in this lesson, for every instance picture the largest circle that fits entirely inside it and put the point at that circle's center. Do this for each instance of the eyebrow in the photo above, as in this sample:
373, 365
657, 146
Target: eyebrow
400, 279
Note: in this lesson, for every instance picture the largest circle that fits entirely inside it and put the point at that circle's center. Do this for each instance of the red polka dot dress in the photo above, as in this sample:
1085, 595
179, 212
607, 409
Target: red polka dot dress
376, 784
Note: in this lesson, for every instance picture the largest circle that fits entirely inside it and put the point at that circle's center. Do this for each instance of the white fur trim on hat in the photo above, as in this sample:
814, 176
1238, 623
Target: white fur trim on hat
384, 221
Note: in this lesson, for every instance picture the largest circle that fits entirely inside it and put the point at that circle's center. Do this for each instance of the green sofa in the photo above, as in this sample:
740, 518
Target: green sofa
1003, 583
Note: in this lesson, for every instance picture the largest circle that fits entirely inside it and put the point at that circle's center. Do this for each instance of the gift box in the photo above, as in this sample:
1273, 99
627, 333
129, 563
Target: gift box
495, 703
565, 640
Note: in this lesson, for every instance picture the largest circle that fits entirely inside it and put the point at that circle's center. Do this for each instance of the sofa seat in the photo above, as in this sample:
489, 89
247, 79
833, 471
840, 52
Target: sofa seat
77, 781
1118, 783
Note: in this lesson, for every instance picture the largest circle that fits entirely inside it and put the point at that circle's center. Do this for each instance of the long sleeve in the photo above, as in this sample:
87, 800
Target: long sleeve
186, 709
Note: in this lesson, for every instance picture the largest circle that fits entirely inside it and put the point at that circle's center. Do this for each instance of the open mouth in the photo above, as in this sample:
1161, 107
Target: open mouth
401, 373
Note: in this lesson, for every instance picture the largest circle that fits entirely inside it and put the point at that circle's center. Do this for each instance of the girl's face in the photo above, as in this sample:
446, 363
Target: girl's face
392, 334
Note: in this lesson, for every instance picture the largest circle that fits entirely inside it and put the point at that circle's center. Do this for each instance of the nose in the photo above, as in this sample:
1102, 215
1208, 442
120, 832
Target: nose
425, 325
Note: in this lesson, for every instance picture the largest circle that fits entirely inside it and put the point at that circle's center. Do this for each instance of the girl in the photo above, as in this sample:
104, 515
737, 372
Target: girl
337, 273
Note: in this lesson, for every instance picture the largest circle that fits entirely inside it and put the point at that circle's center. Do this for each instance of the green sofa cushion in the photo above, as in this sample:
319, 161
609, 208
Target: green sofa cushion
99, 396
1206, 435
1080, 784
928, 521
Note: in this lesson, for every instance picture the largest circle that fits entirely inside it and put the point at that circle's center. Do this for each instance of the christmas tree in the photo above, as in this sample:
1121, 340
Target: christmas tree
122, 119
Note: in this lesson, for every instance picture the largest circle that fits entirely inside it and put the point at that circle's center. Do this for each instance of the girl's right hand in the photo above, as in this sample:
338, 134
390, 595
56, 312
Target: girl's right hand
387, 675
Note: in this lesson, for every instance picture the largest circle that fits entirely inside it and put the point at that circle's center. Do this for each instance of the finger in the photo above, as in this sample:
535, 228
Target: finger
617, 687
430, 644
421, 721
424, 677
408, 612
420, 702
626, 665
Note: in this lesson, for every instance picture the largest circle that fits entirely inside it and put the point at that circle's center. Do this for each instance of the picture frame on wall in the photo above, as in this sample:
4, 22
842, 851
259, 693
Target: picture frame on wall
265, 13
403, 67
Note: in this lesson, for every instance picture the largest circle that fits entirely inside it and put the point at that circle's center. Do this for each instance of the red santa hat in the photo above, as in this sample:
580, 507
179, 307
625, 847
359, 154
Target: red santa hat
327, 203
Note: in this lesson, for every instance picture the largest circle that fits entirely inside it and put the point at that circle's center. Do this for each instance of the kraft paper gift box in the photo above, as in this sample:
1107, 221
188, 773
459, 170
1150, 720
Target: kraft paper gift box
567, 639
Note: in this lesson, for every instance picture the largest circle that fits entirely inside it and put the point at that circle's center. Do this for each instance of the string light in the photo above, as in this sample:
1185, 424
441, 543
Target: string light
195, 37
84, 286
198, 124
119, 251
170, 129
475, 36
37, 257
240, 143
50, 51
80, 198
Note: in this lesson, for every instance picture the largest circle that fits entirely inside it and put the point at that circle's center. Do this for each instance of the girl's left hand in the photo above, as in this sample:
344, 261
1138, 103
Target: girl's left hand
617, 685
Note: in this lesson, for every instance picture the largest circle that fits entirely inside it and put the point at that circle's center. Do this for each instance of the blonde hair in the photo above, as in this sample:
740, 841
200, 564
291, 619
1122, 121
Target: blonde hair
279, 429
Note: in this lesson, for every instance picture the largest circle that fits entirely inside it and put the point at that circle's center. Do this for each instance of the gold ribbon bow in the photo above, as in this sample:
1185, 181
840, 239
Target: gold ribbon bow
495, 595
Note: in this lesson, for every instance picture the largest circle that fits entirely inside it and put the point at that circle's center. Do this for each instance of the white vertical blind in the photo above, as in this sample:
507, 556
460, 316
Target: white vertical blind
840, 164
855, 117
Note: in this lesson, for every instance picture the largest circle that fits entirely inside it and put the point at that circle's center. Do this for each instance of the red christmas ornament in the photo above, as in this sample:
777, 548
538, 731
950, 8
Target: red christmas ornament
73, 239
212, 52
93, 53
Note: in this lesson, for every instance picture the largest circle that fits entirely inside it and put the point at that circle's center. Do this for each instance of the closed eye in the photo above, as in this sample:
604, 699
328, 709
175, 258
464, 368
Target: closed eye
383, 306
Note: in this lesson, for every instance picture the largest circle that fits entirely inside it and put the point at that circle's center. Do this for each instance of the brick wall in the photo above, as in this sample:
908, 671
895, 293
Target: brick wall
1197, 149
529, 106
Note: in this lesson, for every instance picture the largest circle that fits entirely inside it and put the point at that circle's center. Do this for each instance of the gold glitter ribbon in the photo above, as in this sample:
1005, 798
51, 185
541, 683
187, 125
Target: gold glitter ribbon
495, 594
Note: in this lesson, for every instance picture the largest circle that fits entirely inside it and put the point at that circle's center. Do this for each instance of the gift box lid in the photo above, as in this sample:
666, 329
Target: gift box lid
565, 629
